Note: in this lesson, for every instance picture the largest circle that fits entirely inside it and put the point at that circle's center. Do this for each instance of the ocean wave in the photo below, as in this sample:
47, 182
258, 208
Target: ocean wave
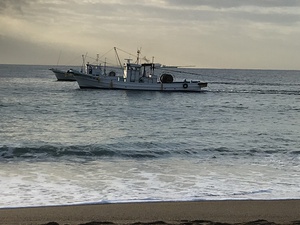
126, 151
98, 151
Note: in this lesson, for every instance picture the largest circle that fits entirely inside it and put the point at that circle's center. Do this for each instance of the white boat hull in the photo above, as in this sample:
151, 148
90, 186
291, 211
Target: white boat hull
62, 75
119, 83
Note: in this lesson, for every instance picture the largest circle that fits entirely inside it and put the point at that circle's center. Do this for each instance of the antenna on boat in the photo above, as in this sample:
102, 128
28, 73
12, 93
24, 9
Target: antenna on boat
138, 55
128, 60
97, 60
83, 64
104, 70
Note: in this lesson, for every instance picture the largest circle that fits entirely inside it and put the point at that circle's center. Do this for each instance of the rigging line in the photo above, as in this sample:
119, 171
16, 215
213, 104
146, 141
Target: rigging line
106, 53
101, 61
88, 57
140, 54
178, 71
198, 74
126, 52
94, 59
186, 72
58, 58
117, 57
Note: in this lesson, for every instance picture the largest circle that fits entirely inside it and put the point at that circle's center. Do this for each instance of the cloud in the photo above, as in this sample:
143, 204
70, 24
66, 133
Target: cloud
15, 5
200, 30
234, 3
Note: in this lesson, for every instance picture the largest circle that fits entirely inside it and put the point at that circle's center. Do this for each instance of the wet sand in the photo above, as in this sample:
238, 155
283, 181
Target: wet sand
200, 212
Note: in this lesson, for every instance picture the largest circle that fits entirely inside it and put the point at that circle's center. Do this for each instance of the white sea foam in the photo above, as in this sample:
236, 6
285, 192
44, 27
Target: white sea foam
60, 183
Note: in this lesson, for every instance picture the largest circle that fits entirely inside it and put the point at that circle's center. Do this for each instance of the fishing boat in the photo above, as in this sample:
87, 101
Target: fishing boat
136, 76
62, 75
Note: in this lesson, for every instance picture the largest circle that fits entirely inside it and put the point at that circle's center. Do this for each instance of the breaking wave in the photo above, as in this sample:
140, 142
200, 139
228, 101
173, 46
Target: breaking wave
134, 151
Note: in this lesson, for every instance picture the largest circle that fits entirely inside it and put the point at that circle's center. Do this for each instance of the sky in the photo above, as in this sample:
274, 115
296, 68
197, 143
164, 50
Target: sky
246, 34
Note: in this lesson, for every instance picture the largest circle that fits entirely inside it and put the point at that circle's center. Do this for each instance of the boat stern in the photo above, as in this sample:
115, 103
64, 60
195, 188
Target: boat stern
202, 84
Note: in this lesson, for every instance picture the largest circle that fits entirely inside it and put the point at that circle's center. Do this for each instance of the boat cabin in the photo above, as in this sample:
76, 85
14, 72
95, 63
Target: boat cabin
144, 73
93, 69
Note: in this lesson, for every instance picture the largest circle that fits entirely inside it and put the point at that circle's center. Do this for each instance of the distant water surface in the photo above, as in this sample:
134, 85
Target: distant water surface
239, 139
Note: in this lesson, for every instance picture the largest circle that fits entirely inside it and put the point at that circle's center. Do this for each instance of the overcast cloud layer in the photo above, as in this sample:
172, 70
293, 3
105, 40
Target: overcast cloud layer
205, 33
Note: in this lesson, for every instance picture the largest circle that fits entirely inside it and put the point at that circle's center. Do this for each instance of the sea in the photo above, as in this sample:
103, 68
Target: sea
62, 145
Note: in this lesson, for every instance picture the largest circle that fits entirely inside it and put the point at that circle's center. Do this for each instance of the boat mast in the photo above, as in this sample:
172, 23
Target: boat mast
58, 58
152, 65
97, 60
84, 70
104, 67
118, 57
138, 56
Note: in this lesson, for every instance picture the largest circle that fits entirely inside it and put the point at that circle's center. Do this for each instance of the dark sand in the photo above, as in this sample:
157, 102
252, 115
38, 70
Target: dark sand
201, 212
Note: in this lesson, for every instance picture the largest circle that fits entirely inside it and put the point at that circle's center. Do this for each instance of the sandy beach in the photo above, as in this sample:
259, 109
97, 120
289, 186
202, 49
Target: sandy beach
200, 212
